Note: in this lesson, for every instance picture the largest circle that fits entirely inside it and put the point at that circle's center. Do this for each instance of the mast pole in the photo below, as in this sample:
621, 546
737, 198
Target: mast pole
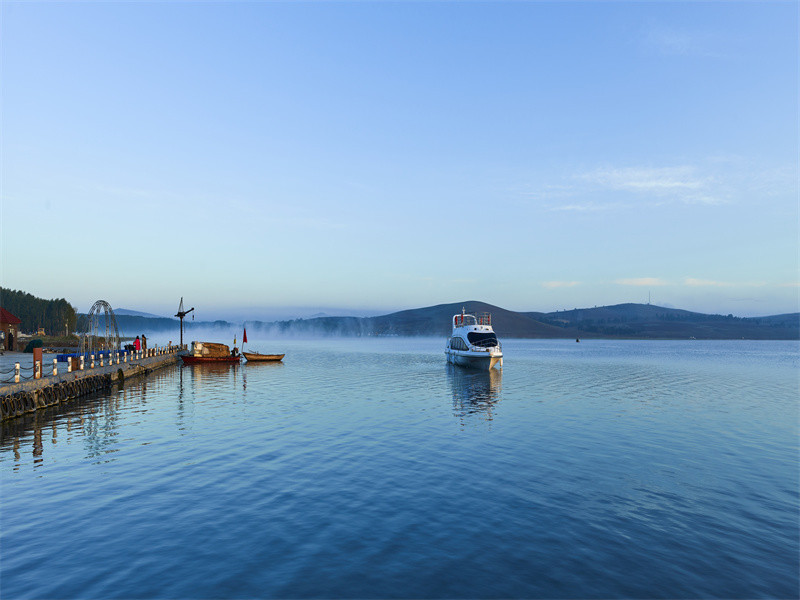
180, 314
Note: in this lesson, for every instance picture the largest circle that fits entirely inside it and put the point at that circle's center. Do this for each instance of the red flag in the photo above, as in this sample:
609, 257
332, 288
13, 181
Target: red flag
244, 337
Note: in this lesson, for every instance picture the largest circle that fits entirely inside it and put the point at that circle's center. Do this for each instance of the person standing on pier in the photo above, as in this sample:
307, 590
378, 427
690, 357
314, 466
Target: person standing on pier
137, 345
144, 342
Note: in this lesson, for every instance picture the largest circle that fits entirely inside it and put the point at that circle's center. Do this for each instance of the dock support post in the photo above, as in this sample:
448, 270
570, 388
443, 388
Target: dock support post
38, 362
69, 364
83, 366
16, 372
91, 364
55, 367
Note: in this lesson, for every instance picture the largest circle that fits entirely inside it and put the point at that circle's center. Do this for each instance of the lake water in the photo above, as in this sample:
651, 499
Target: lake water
370, 469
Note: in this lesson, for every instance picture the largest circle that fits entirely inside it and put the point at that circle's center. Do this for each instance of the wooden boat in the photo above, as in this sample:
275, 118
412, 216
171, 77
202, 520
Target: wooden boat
209, 352
202, 360
256, 357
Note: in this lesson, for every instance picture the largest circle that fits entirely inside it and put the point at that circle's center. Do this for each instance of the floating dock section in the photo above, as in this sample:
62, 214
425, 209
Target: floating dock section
19, 397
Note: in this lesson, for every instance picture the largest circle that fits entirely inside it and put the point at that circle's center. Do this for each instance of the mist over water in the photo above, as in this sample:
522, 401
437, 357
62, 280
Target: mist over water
257, 335
369, 468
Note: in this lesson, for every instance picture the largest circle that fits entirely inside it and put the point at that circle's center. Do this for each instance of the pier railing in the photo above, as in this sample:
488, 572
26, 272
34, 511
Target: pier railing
81, 362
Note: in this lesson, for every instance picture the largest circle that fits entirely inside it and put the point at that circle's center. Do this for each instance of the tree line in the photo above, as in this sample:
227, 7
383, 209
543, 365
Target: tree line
55, 316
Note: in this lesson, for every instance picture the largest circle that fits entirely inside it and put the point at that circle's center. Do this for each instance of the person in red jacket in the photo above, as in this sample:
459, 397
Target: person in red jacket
137, 345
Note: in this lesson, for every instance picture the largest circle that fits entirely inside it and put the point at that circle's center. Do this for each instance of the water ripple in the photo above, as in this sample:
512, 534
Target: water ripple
372, 469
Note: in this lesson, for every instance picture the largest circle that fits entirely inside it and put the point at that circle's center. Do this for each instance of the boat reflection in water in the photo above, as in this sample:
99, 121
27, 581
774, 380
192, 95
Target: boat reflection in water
209, 378
474, 392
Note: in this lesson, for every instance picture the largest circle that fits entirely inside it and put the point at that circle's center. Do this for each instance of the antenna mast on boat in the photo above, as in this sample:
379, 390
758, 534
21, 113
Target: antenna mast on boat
182, 313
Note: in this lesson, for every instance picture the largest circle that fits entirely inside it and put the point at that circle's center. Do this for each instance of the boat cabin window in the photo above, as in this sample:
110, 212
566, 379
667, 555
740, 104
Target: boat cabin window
458, 344
482, 339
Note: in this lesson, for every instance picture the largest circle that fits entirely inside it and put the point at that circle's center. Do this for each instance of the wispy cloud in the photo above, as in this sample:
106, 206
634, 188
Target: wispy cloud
684, 42
585, 207
647, 179
692, 282
715, 181
631, 186
460, 281
560, 284
641, 281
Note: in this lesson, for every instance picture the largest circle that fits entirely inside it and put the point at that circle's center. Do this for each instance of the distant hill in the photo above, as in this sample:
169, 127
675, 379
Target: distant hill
437, 320
135, 313
640, 321
130, 325
649, 321
619, 321
430, 321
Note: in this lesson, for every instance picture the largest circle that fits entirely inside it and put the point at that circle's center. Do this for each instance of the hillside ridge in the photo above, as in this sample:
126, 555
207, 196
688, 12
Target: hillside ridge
628, 320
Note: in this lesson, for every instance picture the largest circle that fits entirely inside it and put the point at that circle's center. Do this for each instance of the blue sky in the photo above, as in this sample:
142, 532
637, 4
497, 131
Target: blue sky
374, 156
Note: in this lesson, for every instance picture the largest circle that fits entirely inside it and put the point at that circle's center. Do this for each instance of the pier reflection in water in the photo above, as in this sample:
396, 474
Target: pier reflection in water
95, 421
474, 392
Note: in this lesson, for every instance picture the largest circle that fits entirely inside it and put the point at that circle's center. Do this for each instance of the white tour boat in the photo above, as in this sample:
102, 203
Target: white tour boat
473, 342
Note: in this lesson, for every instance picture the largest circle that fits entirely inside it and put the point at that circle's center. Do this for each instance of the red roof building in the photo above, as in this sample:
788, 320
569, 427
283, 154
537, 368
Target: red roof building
9, 329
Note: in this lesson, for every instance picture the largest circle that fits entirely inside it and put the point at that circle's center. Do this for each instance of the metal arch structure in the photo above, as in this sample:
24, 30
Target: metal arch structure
91, 339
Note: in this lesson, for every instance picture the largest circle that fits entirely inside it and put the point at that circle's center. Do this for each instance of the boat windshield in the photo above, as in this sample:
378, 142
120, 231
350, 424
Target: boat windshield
482, 339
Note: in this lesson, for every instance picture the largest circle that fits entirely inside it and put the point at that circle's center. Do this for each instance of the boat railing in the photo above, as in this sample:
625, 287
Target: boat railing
470, 319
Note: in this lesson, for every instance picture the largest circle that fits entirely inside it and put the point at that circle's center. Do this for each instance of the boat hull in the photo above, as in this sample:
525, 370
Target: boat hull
256, 357
483, 361
206, 360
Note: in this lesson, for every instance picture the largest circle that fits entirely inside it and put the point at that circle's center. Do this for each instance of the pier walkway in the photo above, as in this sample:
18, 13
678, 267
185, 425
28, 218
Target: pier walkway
30, 393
